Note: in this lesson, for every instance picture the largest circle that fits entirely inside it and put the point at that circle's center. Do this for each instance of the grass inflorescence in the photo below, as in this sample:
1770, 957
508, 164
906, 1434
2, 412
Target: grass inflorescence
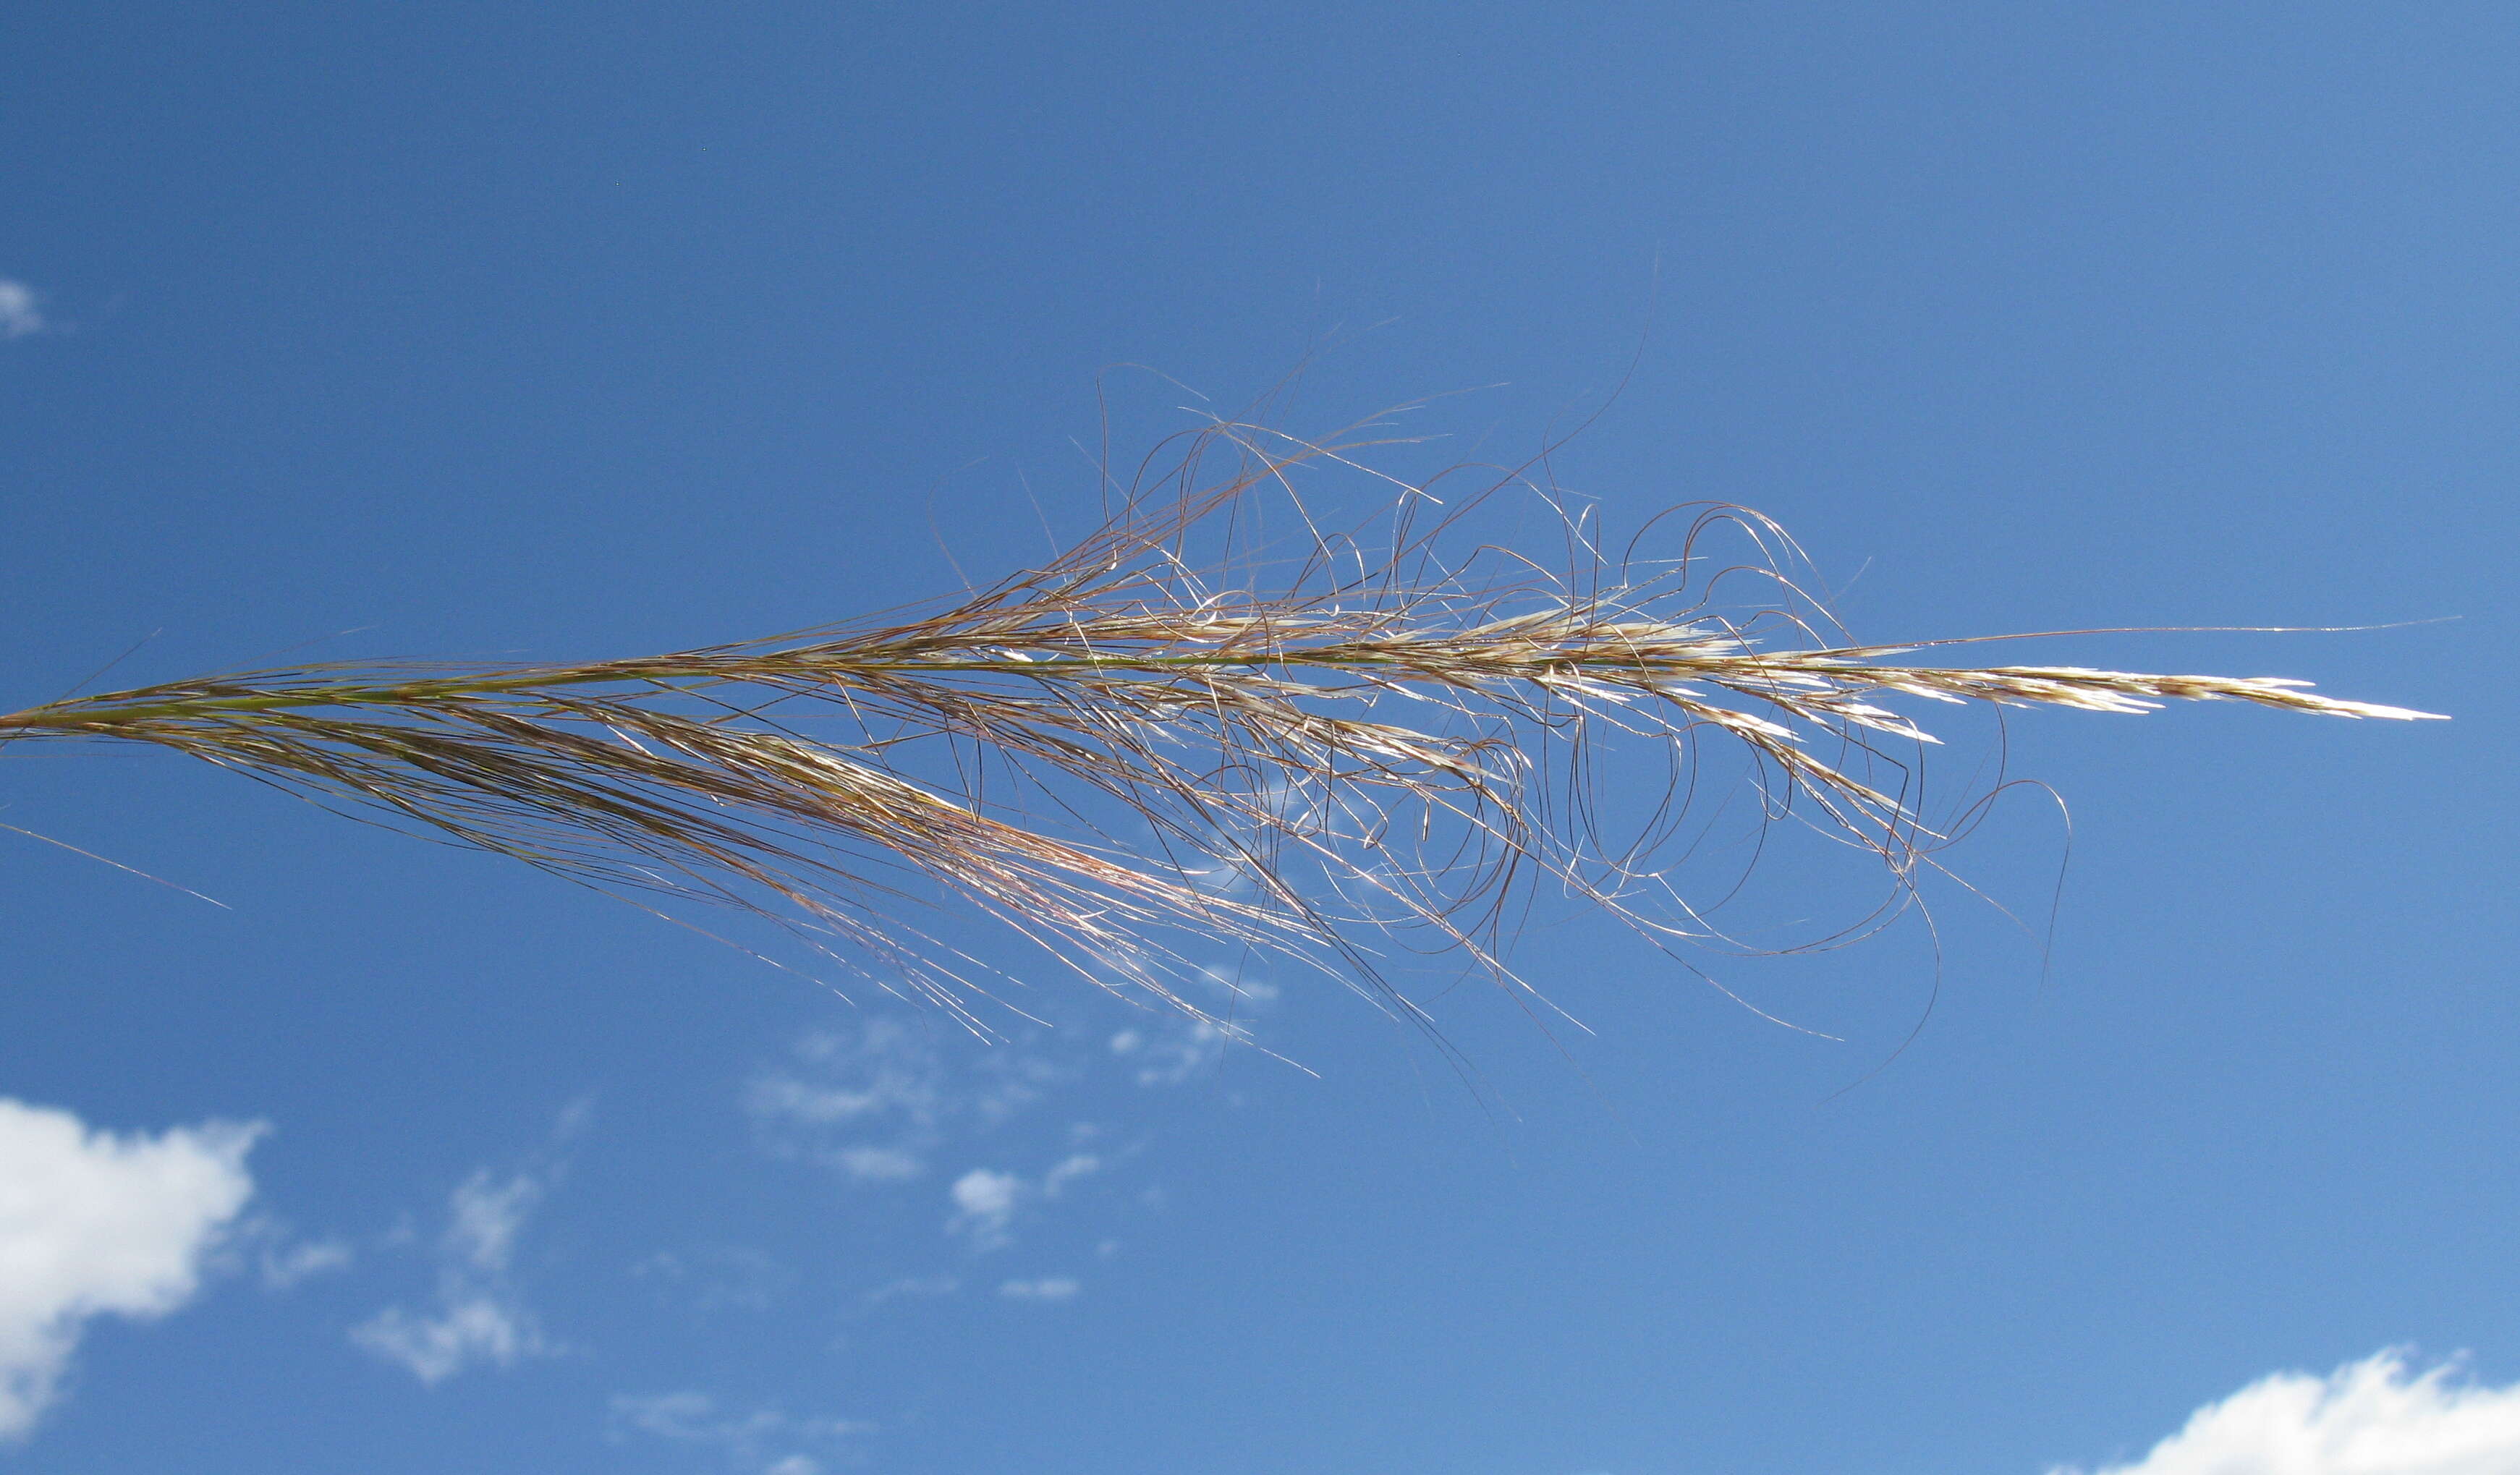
1321, 745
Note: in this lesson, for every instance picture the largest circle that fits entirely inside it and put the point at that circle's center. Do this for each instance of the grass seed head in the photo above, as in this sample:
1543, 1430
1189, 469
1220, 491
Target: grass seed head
1178, 732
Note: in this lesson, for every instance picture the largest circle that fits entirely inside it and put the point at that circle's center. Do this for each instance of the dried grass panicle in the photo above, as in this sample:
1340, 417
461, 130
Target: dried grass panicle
1319, 744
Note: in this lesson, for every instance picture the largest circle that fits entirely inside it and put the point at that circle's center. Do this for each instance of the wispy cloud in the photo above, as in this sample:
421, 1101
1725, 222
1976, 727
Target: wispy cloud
879, 1165
922, 1286
1175, 1049
869, 1103
20, 310
468, 1327
268, 1244
1068, 1169
485, 1218
284, 1265
478, 1315
2372, 1417
894, 1102
1047, 1288
766, 1440
727, 1278
1171, 1053
876, 1103
92, 1223
884, 1072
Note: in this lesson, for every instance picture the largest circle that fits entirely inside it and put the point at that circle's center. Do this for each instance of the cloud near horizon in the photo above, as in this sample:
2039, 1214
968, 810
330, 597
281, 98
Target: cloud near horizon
92, 1223
2371, 1417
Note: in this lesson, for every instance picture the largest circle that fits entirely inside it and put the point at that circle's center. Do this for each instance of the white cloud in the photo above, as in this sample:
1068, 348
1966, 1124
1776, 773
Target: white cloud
269, 1244
92, 1223
1253, 990
2371, 1417
1047, 1288
822, 1105
875, 1103
1074, 1166
987, 1194
869, 1103
482, 1225
284, 1265
469, 1326
883, 1070
1180, 1051
1177, 1046
478, 1316
749, 1439
20, 315
880, 1165
984, 1202
893, 1101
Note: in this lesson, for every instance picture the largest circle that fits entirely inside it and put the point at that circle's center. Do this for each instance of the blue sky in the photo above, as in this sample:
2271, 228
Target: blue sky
569, 331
